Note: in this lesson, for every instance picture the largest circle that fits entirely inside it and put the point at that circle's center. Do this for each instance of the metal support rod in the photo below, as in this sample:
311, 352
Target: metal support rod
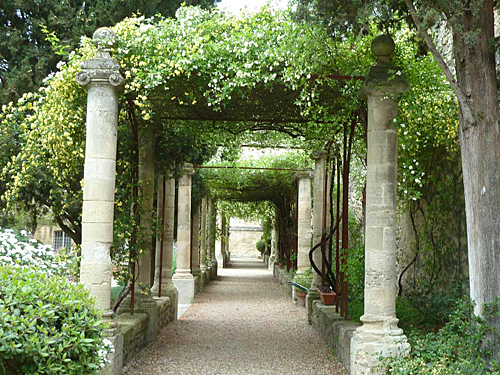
345, 239
323, 229
296, 231
132, 288
250, 168
337, 237
191, 242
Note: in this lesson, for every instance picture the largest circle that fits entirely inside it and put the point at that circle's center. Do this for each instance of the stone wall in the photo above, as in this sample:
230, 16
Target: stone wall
335, 330
243, 236
133, 328
283, 278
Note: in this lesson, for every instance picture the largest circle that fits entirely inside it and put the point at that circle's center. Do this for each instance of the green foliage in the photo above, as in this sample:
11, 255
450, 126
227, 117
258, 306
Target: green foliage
47, 325
355, 260
34, 36
460, 347
304, 278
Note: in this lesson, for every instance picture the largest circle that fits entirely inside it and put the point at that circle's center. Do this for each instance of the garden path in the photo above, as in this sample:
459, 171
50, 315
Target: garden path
242, 323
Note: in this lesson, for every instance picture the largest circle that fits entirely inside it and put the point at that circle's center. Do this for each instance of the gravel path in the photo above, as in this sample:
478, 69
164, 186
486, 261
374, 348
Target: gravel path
242, 323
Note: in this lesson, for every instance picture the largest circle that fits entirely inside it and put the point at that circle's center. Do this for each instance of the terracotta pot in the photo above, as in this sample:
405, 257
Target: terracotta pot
328, 298
301, 297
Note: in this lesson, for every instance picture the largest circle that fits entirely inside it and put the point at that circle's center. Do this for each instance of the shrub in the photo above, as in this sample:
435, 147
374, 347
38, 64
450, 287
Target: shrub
460, 347
17, 250
261, 246
48, 325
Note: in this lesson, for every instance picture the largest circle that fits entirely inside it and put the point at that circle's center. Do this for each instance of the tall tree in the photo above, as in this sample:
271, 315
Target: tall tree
472, 27
26, 52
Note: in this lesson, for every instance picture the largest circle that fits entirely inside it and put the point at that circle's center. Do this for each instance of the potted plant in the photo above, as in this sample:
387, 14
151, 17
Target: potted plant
302, 283
327, 295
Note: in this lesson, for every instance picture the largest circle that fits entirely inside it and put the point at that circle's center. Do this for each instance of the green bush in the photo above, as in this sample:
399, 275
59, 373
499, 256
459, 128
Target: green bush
48, 325
460, 347
261, 246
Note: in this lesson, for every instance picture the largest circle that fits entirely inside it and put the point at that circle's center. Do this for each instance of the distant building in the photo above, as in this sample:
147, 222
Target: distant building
243, 237
53, 235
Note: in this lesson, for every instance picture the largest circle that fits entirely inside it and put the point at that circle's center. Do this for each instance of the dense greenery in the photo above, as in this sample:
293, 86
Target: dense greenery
35, 37
460, 347
48, 325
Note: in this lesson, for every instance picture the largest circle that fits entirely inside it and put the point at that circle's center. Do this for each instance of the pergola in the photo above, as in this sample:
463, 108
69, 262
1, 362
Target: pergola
266, 110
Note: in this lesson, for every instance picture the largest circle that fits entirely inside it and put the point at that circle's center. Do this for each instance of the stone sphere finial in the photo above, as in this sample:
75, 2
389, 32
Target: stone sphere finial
317, 154
383, 47
104, 38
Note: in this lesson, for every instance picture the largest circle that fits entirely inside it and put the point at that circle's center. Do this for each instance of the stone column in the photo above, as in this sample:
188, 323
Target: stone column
167, 287
277, 237
195, 249
146, 181
101, 76
304, 231
203, 243
379, 336
183, 279
212, 236
319, 187
219, 245
272, 257
227, 250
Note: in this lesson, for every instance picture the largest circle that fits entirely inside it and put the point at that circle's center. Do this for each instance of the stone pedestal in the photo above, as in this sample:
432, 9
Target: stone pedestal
167, 286
101, 76
379, 336
183, 279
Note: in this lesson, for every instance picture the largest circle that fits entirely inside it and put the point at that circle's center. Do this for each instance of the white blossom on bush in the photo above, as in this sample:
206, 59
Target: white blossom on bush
17, 250
107, 349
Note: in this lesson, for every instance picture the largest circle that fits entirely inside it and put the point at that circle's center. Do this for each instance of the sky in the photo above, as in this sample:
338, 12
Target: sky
234, 6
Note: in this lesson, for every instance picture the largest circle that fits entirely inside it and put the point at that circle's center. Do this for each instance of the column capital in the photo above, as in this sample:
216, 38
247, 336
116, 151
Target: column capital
103, 68
188, 168
384, 78
304, 173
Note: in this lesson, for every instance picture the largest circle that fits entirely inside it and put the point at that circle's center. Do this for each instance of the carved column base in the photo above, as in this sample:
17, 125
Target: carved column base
185, 286
377, 337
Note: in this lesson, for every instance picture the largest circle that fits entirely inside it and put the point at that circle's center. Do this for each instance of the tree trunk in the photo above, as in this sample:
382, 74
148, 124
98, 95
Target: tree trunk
480, 148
